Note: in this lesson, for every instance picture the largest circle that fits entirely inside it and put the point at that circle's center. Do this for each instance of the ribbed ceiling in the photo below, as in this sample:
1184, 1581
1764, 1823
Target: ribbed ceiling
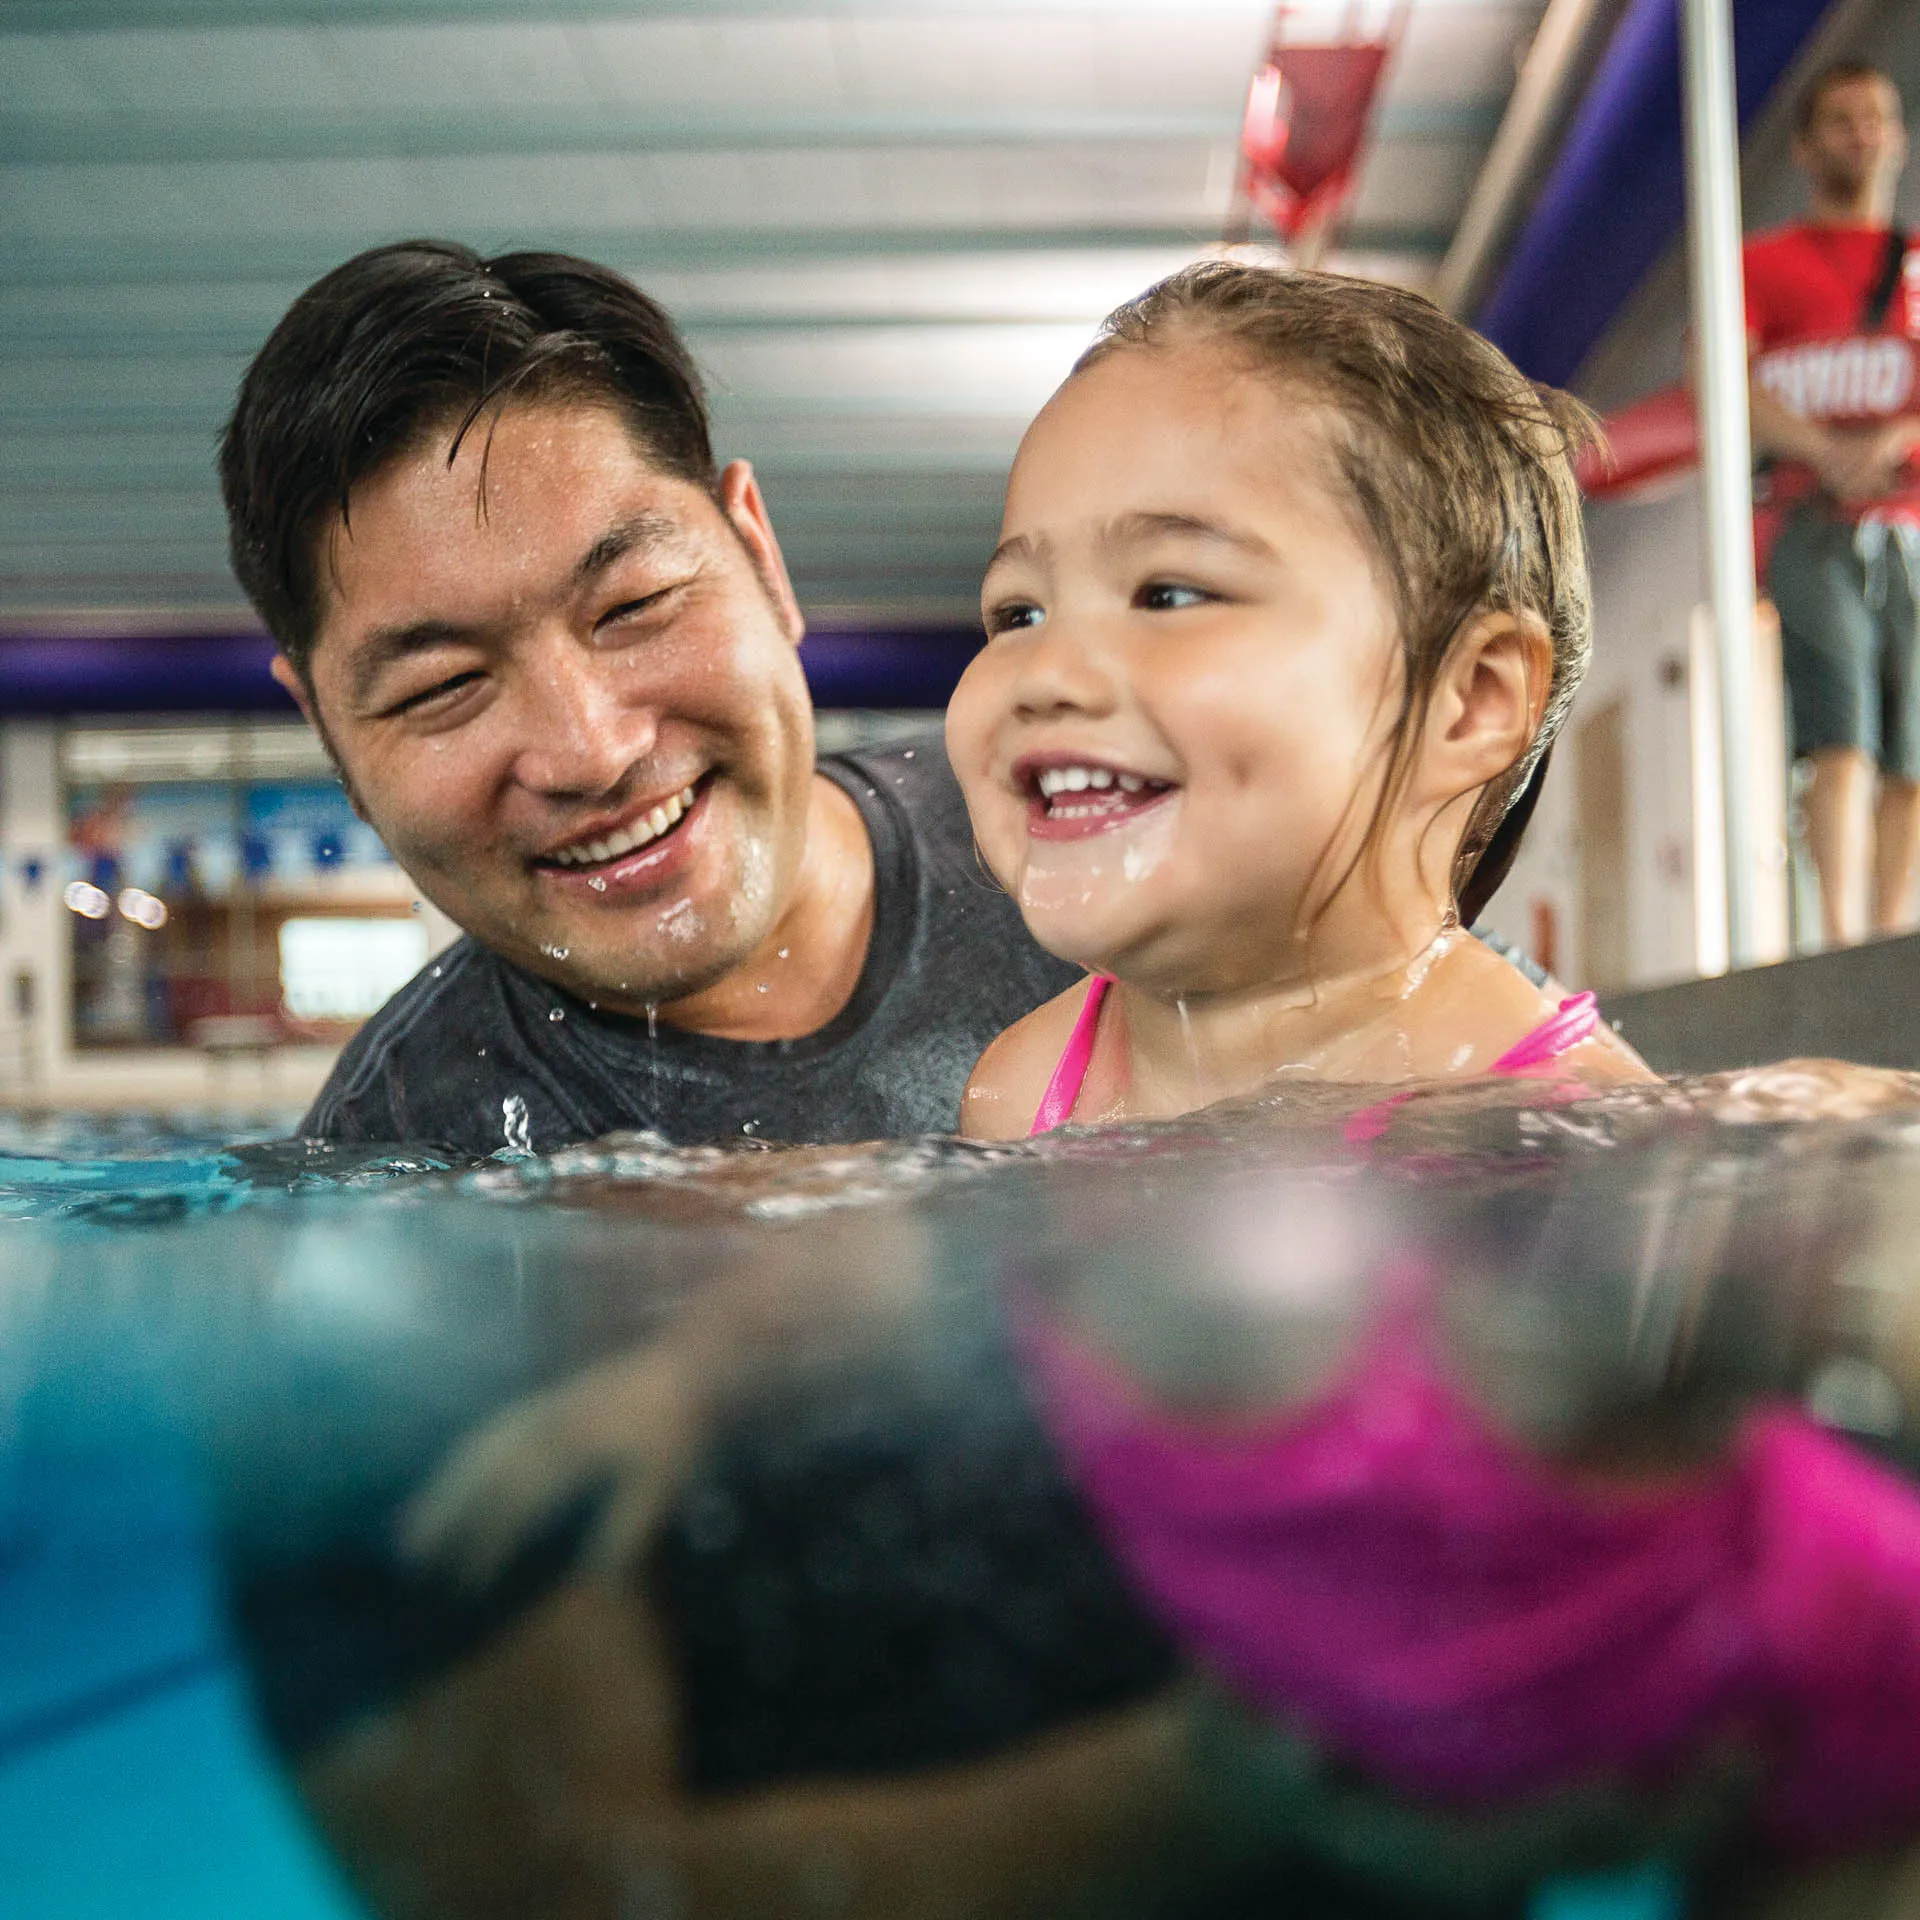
887, 229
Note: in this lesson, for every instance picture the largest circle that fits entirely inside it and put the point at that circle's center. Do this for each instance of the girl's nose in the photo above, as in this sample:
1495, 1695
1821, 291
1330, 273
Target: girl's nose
582, 730
1065, 668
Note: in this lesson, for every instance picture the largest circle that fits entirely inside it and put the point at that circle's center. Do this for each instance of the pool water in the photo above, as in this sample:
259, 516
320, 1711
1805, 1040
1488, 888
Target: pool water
219, 1356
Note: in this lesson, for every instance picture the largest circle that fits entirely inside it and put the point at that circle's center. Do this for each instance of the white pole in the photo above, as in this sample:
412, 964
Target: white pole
1720, 337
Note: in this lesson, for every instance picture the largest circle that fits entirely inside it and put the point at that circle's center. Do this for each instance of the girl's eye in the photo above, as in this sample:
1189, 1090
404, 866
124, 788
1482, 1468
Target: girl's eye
1166, 596
1013, 616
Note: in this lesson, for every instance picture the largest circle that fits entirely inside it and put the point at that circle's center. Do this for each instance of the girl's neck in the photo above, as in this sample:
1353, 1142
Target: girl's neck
1354, 1022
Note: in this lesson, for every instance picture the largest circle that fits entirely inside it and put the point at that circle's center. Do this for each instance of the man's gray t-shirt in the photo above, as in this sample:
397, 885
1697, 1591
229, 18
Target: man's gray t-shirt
476, 1053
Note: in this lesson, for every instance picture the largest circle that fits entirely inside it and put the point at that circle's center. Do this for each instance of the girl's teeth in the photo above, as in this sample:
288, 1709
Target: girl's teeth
1056, 780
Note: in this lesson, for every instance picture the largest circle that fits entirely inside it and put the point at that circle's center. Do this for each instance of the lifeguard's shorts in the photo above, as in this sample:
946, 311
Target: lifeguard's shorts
1849, 637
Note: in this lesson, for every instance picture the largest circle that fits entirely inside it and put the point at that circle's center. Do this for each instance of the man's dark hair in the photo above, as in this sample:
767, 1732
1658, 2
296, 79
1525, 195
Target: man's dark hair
407, 340
1838, 73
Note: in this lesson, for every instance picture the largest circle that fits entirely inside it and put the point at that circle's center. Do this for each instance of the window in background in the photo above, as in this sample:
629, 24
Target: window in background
221, 893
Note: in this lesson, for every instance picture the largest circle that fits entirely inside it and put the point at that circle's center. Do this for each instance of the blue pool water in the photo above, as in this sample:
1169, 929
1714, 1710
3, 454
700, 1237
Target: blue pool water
133, 1775
206, 1341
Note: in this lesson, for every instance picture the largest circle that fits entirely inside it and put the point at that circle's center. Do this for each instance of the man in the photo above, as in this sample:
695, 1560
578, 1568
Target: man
1833, 311
552, 650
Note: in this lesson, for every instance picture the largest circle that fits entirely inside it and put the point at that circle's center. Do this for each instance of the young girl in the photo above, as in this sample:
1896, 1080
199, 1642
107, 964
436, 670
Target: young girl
1291, 601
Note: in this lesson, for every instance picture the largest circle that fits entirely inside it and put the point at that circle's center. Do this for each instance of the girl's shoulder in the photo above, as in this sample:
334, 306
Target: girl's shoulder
1515, 1006
1010, 1079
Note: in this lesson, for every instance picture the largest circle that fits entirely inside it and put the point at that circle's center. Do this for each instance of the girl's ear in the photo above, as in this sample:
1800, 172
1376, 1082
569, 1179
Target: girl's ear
1487, 702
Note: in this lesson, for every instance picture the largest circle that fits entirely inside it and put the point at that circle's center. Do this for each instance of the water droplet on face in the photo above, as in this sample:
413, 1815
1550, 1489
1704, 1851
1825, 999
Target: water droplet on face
554, 953
597, 884
760, 986
782, 954
556, 1013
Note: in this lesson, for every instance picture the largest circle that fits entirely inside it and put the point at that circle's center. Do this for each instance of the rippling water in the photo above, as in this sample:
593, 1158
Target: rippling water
326, 1475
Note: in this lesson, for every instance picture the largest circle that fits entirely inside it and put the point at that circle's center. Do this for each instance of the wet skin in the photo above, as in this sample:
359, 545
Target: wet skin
533, 655
1187, 622
1178, 597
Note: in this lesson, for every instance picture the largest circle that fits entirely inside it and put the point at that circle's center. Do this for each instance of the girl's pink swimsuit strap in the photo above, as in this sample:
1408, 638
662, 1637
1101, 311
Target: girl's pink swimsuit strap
1559, 1034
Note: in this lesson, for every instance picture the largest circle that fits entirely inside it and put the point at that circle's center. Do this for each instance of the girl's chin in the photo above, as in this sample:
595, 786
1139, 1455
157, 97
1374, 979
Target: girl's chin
1098, 941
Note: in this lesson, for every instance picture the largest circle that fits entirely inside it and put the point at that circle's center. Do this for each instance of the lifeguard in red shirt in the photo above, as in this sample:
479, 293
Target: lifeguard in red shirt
1833, 316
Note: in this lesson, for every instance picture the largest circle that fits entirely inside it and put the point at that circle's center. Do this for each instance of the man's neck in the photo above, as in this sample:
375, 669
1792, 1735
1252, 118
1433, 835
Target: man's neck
1870, 206
805, 971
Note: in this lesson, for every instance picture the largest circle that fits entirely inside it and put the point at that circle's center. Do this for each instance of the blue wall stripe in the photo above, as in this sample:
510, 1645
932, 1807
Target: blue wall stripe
1617, 194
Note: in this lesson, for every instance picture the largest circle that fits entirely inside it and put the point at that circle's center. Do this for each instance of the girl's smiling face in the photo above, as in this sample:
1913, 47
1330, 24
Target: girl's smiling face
1173, 740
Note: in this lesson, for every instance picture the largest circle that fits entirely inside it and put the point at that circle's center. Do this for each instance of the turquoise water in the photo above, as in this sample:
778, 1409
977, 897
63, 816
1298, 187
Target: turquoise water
133, 1775
212, 1349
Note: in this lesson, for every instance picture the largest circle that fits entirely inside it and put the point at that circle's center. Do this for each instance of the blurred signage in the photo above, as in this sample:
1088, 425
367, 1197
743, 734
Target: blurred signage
336, 968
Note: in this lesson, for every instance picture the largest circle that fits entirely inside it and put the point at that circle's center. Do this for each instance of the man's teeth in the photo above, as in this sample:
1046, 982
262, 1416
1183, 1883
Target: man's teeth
650, 826
1054, 780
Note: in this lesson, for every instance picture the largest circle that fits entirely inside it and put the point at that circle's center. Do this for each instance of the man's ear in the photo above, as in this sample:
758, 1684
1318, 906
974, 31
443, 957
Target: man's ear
289, 677
1488, 701
746, 508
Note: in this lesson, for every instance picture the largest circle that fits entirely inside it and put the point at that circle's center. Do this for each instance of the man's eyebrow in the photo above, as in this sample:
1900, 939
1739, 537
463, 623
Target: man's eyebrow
385, 646
645, 529
1131, 527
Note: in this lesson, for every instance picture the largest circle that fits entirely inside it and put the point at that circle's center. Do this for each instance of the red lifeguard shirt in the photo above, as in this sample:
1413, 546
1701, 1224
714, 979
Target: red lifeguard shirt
1807, 289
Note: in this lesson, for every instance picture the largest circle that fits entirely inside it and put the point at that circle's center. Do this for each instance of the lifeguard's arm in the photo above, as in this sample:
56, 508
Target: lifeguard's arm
1010, 1079
1854, 463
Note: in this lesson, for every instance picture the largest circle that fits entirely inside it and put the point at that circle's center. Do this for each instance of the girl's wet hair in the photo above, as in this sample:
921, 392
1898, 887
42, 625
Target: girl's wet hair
1458, 468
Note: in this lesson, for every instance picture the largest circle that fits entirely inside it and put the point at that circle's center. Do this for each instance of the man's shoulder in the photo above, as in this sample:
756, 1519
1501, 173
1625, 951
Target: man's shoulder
443, 993
961, 939
1784, 261
911, 776
1773, 244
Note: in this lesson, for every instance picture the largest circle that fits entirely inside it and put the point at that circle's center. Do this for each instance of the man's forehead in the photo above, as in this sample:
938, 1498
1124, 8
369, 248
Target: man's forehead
506, 462
538, 500
536, 484
1847, 94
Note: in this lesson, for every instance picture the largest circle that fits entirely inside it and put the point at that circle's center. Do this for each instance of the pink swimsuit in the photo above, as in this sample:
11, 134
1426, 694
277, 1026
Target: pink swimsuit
1388, 1572
1560, 1033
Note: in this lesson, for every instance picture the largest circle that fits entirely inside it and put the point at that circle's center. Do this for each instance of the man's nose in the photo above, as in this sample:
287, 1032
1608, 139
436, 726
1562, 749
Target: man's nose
1066, 666
582, 729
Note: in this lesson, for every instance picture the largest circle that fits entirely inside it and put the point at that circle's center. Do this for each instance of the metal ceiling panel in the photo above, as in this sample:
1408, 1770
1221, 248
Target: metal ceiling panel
888, 228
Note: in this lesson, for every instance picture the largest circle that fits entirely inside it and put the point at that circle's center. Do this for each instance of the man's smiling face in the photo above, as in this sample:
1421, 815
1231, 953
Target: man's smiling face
564, 687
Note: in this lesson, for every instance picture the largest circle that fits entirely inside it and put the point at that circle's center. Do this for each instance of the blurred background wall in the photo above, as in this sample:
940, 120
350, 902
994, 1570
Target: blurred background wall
888, 229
